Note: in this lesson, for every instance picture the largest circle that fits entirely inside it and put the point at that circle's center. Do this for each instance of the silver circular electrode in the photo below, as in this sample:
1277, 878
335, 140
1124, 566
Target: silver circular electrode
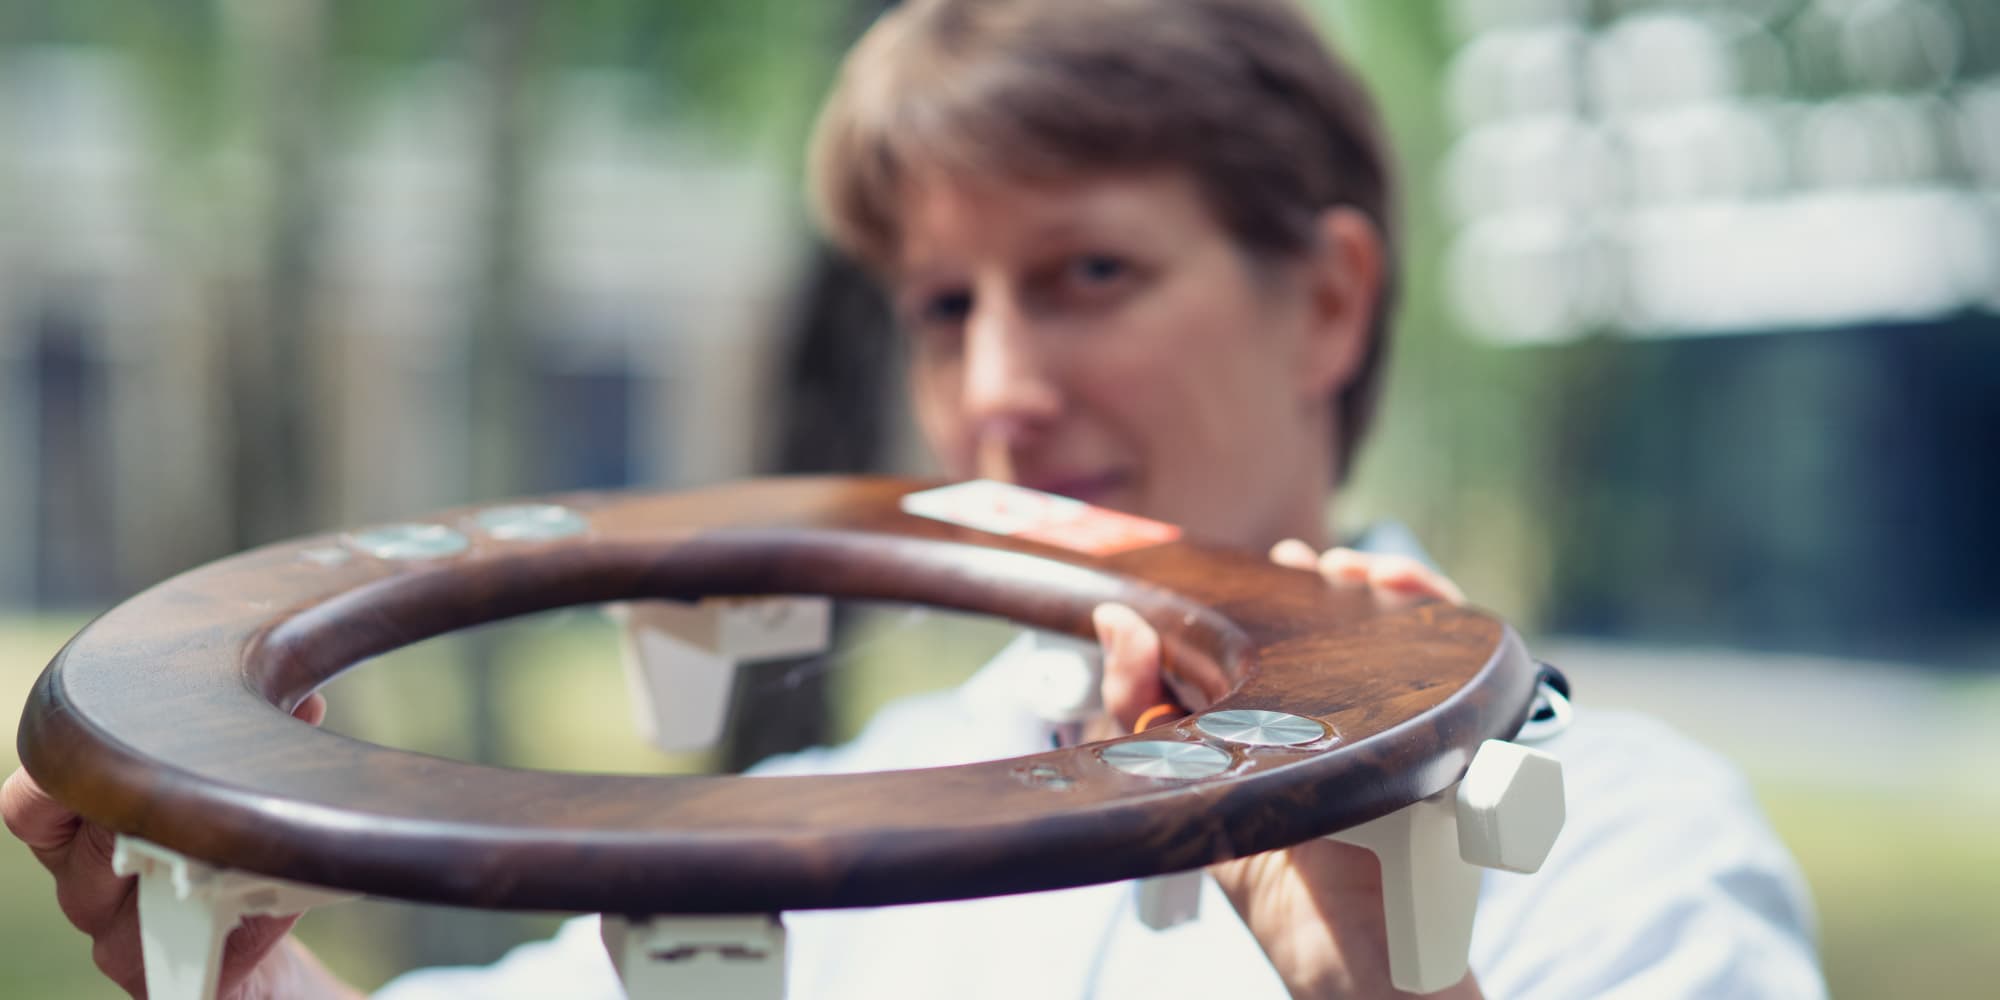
1260, 728
327, 555
409, 541
532, 522
1048, 777
1166, 759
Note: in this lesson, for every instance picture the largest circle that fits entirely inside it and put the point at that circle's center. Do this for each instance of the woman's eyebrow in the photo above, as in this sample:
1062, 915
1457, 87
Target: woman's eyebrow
1088, 226
924, 281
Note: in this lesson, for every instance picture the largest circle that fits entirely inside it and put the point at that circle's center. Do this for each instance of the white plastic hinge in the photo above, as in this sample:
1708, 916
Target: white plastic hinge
1429, 893
1055, 678
1504, 813
1165, 901
698, 957
681, 658
187, 909
1510, 807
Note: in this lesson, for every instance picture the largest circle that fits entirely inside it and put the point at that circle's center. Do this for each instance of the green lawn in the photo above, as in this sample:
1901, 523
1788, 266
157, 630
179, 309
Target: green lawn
1908, 889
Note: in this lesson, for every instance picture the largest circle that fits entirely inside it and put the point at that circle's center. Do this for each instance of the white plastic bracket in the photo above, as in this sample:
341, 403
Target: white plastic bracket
698, 957
1166, 901
1504, 813
1060, 680
187, 909
1510, 807
1055, 678
680, 658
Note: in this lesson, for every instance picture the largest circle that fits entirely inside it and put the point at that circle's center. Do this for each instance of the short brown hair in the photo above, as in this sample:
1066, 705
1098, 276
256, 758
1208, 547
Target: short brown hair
1242, 93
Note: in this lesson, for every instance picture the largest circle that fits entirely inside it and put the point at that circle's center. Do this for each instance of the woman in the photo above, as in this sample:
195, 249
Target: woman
1143, 253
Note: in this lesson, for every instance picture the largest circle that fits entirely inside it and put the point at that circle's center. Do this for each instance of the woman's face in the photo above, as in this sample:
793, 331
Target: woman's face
1108, 340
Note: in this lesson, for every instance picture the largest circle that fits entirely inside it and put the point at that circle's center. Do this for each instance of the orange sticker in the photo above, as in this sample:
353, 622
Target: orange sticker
1019, 512
1102, 532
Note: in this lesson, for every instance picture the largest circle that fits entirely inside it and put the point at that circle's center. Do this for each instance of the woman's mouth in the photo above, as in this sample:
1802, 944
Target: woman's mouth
1091, 488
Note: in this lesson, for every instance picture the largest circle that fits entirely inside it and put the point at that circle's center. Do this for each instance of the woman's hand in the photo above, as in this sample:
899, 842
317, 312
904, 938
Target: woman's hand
1316, 909
258, 960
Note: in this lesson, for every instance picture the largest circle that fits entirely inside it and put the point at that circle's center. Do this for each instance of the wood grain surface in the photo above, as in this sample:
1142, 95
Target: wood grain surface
167, 718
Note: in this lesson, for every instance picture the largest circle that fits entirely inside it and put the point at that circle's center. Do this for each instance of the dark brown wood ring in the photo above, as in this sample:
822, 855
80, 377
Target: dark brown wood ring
167, 718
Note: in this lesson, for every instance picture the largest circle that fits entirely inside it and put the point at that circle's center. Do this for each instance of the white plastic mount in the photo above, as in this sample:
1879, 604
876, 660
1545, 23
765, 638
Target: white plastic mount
187, 909
1165, 901
1504, 813
1059, 679
698, 957
1055, 678
680, 658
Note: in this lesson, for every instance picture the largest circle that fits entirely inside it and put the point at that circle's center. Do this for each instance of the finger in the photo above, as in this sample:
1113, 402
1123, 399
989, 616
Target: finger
1408, 581
89, 893
1131, 662
115, 947
1295, 554
993, 456
251, 942
78, 854
118, 954
1344, 567
45, 825
311, 711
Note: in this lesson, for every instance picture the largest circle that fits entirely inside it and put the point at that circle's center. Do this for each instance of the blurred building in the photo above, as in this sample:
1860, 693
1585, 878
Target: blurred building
1759, 244
660, 273
1728, 275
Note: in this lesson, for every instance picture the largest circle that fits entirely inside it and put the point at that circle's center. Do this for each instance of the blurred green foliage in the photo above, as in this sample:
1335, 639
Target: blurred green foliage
749, 66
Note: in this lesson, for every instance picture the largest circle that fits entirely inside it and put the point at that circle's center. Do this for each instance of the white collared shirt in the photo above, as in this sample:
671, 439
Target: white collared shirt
1666, 882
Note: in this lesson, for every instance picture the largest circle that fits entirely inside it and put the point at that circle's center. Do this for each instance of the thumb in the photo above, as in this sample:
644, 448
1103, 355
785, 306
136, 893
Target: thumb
1132, 681
45, 825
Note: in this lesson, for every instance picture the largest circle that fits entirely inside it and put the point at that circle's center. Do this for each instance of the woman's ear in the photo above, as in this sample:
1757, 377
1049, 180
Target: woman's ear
1345, 269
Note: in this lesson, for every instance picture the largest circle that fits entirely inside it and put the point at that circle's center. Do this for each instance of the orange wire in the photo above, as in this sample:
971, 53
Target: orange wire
1155, 715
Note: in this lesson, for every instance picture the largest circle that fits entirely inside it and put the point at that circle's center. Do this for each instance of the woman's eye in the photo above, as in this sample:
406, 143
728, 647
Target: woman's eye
936, 322
1098, 269
945, 309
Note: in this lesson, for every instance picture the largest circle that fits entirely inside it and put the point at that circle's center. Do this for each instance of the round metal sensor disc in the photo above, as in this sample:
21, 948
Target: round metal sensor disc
532, 522
409, 541
1166, 759
1260, 728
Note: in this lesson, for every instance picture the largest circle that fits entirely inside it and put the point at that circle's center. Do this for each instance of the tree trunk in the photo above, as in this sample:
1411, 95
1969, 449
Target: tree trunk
499, 342
271, 387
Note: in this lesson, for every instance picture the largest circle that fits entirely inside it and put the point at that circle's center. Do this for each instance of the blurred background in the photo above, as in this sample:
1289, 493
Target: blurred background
1697, 377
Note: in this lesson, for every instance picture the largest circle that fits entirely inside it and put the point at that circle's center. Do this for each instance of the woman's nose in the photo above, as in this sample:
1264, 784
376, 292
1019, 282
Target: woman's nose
1010, 385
